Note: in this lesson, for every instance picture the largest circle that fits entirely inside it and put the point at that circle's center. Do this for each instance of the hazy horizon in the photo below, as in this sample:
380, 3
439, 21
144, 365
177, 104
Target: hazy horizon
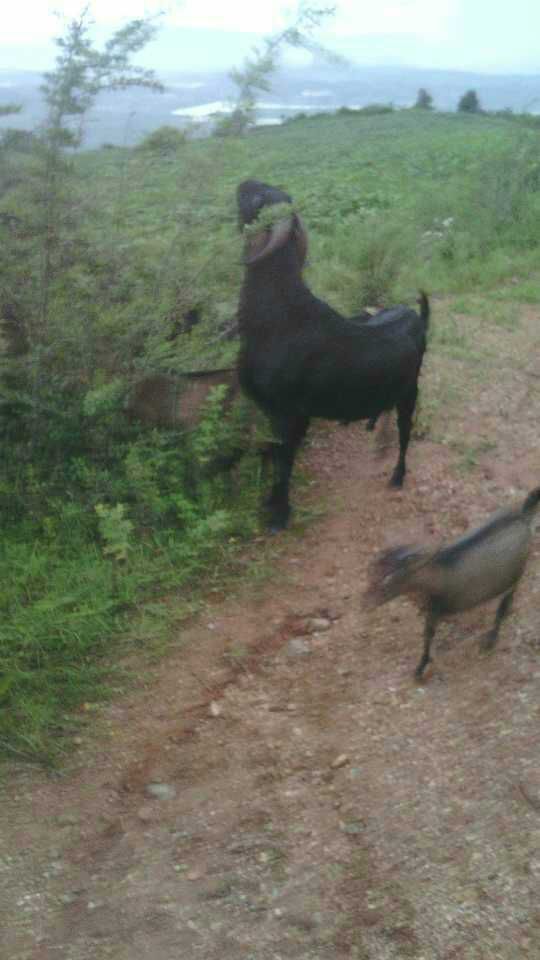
479, 36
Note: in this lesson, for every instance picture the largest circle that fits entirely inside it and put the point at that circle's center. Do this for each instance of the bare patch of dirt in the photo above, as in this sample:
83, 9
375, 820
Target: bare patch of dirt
315, 802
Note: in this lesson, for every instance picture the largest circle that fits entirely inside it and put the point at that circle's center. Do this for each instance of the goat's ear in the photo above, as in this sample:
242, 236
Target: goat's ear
261, 245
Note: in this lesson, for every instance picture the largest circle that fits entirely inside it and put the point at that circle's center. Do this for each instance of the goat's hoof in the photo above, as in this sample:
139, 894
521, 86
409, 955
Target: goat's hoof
395, 482
274, 528
278, 521
488, 642
419, 672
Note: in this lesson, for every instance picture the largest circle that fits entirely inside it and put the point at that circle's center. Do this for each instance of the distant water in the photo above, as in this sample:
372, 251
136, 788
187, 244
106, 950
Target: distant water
267, 112
125, 117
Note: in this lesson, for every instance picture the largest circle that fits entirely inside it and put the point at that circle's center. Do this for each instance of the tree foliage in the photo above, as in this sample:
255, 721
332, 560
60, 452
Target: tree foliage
424, 100
46, 262
82, 72
255, 75
8, 108
469, 103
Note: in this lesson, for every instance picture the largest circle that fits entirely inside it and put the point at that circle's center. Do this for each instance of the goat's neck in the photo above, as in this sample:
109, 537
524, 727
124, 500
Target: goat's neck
271, 294
281, 273
427, 578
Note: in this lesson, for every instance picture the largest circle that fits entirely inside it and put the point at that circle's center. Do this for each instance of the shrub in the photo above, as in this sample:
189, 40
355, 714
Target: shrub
370, 110
20, 141
234, 124
164, 140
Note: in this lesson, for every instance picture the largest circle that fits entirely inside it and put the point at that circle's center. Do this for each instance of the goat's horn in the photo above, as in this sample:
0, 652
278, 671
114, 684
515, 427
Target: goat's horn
263, 244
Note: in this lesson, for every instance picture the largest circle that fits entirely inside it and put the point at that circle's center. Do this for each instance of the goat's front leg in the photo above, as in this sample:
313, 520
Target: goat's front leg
490, 639
291, 433
405, 413
432, 617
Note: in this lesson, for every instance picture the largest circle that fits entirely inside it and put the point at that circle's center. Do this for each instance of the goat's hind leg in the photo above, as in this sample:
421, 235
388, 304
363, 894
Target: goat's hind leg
432, 617
291, 432
489, 641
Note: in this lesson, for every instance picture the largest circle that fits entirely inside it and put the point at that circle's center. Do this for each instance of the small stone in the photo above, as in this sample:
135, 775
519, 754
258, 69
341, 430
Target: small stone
68, 898
160, 791
334, 615
146, 813
215, 709
298, 647
340, 761
193, 875
319, 624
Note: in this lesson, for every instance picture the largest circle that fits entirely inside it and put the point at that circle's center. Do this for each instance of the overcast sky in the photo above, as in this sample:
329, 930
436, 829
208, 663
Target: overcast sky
485, 35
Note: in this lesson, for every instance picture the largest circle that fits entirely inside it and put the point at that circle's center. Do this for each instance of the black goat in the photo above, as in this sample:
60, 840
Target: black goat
480, 566
300, 359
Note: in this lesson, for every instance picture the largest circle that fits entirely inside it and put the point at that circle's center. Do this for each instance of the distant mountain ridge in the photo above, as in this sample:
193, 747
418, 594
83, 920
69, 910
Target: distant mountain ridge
124, 117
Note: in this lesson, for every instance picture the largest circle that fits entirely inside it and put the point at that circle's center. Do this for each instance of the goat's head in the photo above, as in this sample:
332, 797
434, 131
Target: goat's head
252, 197
396, 571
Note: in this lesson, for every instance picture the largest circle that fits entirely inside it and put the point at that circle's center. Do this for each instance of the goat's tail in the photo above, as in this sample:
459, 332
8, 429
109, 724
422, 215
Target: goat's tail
423, 303
532, 501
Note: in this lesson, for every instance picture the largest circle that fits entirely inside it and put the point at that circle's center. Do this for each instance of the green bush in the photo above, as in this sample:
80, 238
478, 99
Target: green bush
163, 141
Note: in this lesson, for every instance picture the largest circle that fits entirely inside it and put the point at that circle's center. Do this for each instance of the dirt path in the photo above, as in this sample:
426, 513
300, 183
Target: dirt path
314, 802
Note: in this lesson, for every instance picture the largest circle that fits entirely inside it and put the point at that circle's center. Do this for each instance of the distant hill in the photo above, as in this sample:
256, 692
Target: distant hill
123, 118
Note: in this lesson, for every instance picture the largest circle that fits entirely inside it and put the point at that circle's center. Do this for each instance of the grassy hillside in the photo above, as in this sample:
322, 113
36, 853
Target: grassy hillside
101, 516
368, 187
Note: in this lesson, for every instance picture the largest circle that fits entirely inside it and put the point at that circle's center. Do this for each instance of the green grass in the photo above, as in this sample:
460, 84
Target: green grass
368, 187
392, 202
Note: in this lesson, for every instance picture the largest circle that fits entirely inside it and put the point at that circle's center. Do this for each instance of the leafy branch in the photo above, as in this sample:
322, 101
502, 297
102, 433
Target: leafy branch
255, 76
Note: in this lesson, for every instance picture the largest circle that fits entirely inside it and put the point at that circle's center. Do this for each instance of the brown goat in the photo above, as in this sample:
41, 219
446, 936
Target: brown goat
177, 401
166, 400
487, 562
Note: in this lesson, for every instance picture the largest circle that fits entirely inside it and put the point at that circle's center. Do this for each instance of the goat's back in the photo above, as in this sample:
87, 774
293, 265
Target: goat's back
483, 564
305, 357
